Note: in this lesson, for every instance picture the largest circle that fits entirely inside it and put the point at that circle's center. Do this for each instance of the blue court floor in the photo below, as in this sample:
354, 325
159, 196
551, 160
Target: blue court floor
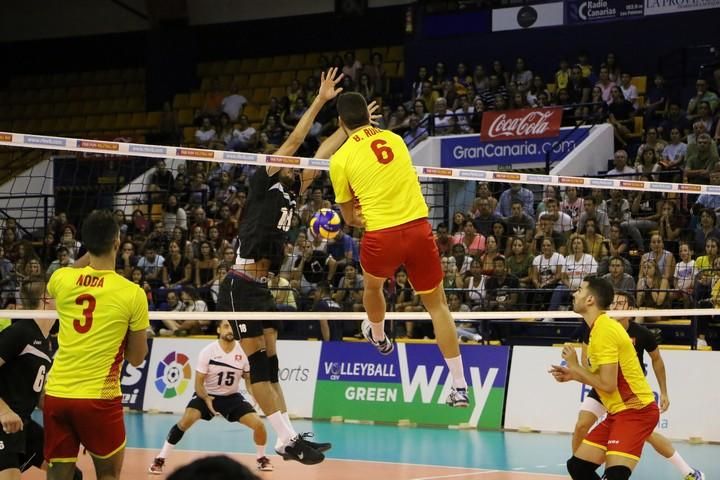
498, 451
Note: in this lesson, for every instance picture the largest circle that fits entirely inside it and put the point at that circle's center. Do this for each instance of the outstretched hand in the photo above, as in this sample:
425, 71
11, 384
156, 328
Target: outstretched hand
374, 118
328, 84
561, 374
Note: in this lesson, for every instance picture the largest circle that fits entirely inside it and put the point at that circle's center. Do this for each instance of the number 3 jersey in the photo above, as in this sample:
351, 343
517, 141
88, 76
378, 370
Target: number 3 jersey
375, 166
97, 309
223, 369
263, 230
26, 352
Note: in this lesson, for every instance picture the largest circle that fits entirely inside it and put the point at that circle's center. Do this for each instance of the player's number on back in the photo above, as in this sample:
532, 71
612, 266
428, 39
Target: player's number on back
229, 378
83, 326
285, 219
383, 154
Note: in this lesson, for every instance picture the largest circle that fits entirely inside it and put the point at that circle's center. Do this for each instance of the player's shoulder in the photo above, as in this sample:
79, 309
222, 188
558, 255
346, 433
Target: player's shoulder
209, 348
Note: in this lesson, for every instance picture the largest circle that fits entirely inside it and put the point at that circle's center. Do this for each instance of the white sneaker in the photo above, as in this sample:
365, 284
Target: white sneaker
701, 343
165, 332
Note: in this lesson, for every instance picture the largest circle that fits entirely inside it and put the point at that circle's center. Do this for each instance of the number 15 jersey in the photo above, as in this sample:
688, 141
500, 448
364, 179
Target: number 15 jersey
96, 308
375, 166
223, 369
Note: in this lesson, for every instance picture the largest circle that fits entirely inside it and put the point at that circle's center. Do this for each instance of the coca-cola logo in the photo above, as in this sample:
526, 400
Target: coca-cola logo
520, 124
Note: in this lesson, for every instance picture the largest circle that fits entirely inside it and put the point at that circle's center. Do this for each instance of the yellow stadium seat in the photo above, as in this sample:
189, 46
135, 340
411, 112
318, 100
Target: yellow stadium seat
106, 122
232, 67
77, 124
185, 116
256, 80
197, 99
641, 101
203, 69
58, 94
119, 105
31, 111
381, 50
277, 92
216, 68
252, 112
640, 83
153, 119
280, 62
206, 84
224, 82
395, 54
401, 69
363, 55
47, 125
260, 95
302, 75
181, 100
248, 65
135, 104
295, 62
272, 79
241, 80
74, 108
551, 87
137, 121
90, 108
189, 135
45, 110
264, 64
123, 121
312, 60
135, 89
91, 123
286, 78
390, 69
63, 124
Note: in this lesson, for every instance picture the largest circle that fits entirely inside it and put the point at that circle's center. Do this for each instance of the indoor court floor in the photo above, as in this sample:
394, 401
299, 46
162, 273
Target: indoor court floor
386, 452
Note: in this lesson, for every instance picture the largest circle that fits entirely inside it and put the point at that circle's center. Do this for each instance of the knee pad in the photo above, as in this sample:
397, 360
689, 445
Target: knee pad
175, 435
582, 469
617, 472
259, 367
274, 368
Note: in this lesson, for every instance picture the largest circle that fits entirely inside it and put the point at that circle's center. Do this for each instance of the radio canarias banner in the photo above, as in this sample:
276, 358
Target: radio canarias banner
589, 11
412, 383
521, 124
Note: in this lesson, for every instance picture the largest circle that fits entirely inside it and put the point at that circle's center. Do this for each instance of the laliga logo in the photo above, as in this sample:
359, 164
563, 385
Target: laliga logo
533, 123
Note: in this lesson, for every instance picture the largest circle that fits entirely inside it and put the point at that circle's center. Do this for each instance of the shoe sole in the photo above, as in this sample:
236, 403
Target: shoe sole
459, 405
154, 473
304, 461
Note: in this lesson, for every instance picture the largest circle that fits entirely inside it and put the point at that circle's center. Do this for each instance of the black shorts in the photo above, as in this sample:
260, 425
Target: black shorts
23, 449
231, 407
238, 294
594, 395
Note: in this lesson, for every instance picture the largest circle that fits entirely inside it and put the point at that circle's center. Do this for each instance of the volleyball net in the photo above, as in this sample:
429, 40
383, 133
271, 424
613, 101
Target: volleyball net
197, 196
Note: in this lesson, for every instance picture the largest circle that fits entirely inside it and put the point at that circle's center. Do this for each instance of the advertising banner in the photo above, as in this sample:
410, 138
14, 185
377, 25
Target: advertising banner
133, 382
473, 151
528, 16
171, 374
521, 124
659, 7
590, 11
410, 384
535, 400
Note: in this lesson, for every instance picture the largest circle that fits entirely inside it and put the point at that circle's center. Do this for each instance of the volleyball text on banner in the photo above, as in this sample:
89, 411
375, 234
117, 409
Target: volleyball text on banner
521, 124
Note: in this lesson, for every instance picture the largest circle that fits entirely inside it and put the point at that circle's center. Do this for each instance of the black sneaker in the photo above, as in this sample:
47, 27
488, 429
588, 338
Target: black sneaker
319, 446
299, 450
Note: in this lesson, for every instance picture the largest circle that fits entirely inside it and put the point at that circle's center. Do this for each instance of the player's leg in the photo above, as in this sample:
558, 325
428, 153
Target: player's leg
255, 423
105, 445
663, 446
271, 335
374, 304
628, 433
591, 410
9, 465
588, 457
34, 444
195, 410
61, 442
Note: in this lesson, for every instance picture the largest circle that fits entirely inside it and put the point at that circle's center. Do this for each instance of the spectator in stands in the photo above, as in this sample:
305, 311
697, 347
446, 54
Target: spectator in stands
323, 302
312, 267
545, 229
664, 260
537, 88
621, 167
281, 291
613, 67
8, 280
458, 222
656, 102
605, 84
704, 265
161, 179
519, 193
502, 294
620, 115
213, 100
617, 244
594, 242
702, 158
480, 80
289, 118
63, 260
519, 262
205, 135
159, 237
474, 285
48, 249
522, 76
350, 290
628, 90
705, 117
519, 223
591, 209
474, 242
706, 229
234, 104
177, 270
483, 191
400, 119
475, 121
670, 224
189, 302
617, 276
137, 277
351, 66
576, 266
444, 120
652, 288
205, 266
311, 207
674, 153
492, 250
648, 166
702, 94
415, 133
224, 134
572, 204
244, 136
68, 241
562, 75
420, 78
698, 128
707, 200
484, 216
9, 241
684, 275
617, 207
578, 86
172, 303
173, 214
343, 249
545, 272
126, 260
273, 129
443, 240
494, 91
675, 118
464, 112
376, 71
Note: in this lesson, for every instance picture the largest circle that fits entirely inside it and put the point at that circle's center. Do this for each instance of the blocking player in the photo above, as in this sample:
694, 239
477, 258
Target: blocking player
373, 168
592, 408
263, 234
220, 367
103, 318
614, 371
24, 363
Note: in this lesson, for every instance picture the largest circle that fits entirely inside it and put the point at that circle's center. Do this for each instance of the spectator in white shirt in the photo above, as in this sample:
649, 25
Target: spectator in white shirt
621, 167
233, 104
629, 90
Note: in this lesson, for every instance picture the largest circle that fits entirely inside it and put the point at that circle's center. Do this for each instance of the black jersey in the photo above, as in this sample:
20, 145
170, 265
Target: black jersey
643, 340
263, 230
26, 353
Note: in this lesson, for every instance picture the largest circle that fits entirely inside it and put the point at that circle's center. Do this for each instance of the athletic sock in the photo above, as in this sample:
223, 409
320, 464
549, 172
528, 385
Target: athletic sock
260, 451
378, 330
289, 424
278, 424
166, 449
455, 365
680, 463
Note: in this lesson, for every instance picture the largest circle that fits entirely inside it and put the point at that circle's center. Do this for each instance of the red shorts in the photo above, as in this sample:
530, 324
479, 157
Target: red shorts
625, 433
411, 244
96, 424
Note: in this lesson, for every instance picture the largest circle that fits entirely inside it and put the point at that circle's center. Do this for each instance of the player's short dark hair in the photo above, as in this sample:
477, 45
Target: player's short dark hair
630, 299
219, 467
601, 289
99, 232
353, 110
31, 293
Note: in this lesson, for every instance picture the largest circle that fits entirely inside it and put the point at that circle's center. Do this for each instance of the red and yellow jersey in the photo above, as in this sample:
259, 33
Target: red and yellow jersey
375, 166
96, 308
611, 344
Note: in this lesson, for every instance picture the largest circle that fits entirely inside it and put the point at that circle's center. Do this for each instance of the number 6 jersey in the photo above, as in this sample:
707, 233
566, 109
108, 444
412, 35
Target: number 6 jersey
263, 230
26, 353
223, 369
96, 308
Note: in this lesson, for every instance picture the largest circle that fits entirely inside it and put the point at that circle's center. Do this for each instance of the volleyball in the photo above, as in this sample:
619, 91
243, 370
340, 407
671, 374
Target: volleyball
326, 223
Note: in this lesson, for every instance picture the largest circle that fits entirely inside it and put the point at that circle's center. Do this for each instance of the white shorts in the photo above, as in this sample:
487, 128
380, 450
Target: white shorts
593, 406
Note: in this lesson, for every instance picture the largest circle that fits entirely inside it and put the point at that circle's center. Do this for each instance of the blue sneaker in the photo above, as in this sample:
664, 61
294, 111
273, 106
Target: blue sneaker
384, 346
458, 398
695, 475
